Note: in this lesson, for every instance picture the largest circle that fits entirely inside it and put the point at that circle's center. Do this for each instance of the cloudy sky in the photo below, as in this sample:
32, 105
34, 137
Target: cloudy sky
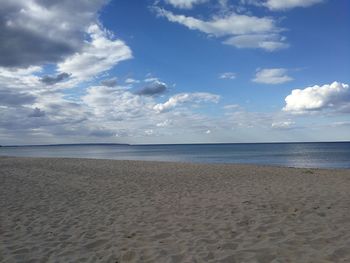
174, 71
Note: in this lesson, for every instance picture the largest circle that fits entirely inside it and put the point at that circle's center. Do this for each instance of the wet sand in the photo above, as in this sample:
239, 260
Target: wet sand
82, 210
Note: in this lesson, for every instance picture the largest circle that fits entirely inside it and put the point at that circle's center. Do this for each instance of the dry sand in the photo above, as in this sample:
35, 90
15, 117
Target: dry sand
75, 210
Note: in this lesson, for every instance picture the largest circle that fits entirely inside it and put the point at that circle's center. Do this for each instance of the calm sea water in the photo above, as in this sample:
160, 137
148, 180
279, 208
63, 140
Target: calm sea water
317, 155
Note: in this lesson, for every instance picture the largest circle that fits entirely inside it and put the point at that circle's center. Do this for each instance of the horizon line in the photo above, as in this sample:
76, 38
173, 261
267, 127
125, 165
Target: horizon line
165, 144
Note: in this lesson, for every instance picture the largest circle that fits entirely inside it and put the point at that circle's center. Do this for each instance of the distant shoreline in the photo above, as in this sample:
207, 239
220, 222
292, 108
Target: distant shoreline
169, 144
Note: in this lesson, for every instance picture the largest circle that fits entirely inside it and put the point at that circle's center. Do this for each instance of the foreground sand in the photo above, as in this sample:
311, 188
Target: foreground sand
75, 210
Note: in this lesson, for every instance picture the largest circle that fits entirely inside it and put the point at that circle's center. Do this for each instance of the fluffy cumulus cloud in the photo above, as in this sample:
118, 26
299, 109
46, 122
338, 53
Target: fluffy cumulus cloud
75, 99
98, 55
117, 112
182, 98
34, 32
115, 103
185, 4
32, 110
272, 76
47, 111
239, 30
19, 86
68, 35
288, 4
333, 97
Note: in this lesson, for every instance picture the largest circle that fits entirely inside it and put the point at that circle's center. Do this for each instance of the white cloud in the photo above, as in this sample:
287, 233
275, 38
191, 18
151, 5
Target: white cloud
182, 98
227, 75
272, 76
22, 80
335, 96
131, 81
288, 4
118, 115
98, 55
151, 79
282, 124
268, 42
20, 85
233, 24
165, 123
232, 107
185, 4
30, 110
115, 102
243, 31
149, 132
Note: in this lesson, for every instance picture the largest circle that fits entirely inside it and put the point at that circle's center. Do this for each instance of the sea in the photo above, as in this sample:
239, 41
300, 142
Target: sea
305, 155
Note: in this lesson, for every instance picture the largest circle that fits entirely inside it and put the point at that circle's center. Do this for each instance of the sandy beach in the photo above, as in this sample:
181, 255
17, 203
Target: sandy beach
82, 210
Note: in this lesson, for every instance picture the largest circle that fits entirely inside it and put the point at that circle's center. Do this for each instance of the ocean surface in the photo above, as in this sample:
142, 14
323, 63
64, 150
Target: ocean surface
307, 155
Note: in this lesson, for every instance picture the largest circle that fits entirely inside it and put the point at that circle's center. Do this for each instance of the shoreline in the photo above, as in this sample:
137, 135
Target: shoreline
171, 144
175, 162
98, 210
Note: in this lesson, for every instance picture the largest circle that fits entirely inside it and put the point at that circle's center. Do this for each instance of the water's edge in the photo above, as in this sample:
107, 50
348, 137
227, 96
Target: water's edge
302, 155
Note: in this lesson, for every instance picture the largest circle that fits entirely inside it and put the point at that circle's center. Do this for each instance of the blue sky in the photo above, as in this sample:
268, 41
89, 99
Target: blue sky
174, 71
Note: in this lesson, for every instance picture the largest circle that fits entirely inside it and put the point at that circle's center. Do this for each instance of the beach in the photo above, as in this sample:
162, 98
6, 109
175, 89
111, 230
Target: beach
86, 210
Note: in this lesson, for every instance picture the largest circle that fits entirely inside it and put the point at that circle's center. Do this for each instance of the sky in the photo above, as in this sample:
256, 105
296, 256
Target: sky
174, 71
